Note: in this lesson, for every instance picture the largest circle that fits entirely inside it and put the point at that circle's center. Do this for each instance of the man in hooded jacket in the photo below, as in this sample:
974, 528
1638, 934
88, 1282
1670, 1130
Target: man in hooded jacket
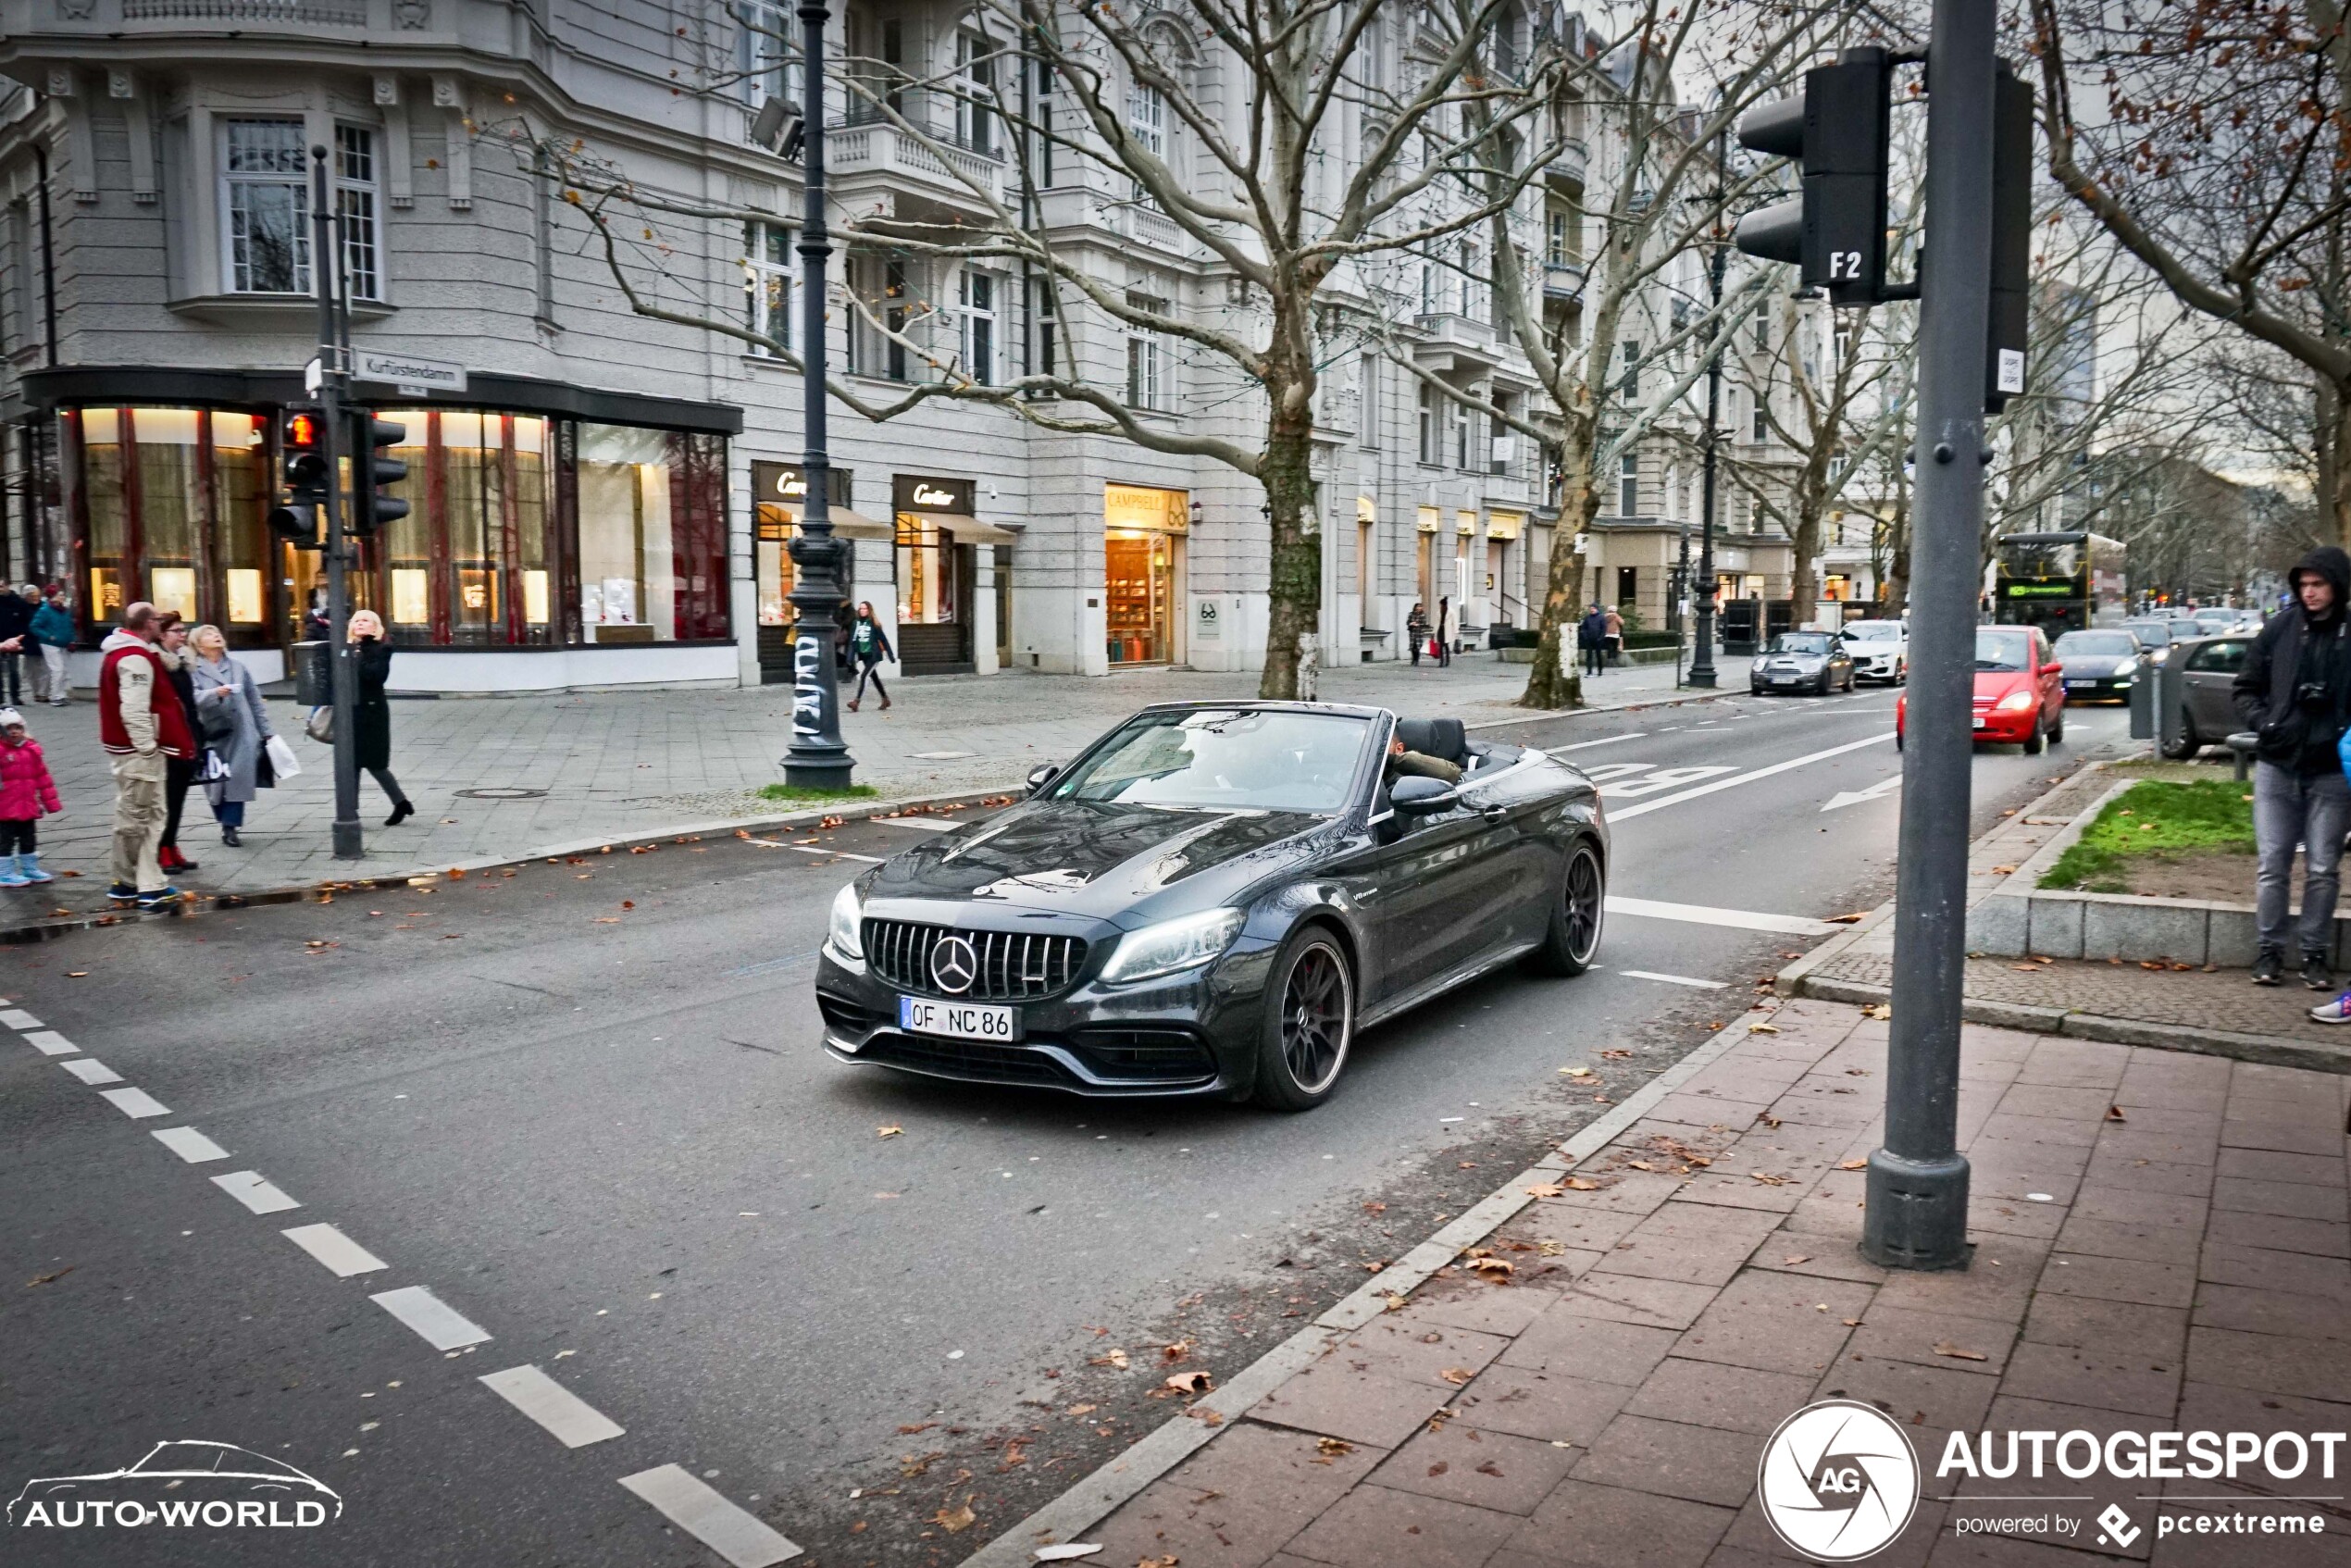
2293, 692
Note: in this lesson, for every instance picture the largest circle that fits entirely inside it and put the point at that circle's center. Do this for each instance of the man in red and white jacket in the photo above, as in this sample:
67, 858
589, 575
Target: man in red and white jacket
141, 724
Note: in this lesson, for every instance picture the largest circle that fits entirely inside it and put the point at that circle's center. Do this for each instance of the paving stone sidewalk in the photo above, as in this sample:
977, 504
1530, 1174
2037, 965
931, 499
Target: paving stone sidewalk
610, 764
2162, 1244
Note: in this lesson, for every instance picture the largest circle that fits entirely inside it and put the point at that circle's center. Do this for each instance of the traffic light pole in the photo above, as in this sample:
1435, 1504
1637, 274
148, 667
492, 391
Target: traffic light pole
1916, 1187
326, 266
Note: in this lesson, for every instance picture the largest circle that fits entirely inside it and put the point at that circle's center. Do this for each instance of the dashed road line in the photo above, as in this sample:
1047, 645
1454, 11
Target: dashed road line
90, 1070
51, 1043
575, 1422
733, 1533
1587, 745
1738, 919
17, 1018
441, 1325
919, 824
136, 1103
191, 1145
255, 1191
332, 1248
1690, 980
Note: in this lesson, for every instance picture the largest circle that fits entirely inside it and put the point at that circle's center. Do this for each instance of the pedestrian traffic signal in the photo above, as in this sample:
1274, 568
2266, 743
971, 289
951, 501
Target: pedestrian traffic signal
302, 446
1838, 129
375, 508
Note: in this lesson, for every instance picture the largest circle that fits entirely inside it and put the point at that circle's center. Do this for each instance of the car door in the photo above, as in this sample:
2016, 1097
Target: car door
1413, 883
2050, 677
2206, 676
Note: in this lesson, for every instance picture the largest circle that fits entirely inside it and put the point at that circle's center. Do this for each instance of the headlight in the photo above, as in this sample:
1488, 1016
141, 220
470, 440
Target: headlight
1171, 945
2016, 701
2126, 667
847, 914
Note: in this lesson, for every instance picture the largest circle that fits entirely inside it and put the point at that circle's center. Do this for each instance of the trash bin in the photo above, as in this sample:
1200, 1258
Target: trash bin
313, 674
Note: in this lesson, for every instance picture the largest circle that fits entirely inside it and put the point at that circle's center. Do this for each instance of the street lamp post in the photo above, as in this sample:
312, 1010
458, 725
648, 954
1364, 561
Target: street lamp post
818, 758
1702, 593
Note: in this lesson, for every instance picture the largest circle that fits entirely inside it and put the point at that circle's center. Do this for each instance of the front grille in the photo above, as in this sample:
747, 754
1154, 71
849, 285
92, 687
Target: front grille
975, 1061
1013, 965
1160, 1055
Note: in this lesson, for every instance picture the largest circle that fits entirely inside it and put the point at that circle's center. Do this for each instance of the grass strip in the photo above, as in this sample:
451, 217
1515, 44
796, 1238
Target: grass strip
2155, 818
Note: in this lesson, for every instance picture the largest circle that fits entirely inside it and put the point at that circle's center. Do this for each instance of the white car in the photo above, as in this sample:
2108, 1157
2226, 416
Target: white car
1880, 650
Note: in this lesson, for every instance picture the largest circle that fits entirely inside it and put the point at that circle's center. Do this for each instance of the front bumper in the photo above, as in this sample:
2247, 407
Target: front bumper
1999, 728
1877, 666
2097, 689
1192, 1034
1763, 679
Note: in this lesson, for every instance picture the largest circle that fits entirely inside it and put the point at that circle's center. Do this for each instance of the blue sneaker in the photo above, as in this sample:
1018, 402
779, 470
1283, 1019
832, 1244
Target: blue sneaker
2335, 1012
122, 893
12, 872
162, 898
28, 867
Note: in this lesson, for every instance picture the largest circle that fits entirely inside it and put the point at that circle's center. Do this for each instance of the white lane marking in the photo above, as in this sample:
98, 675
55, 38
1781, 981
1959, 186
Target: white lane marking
1663, 778
941, 756
697, 1509
90, 1070
1738, 778
254, 1192
335, 1249
1587, 745
441, 1325
134, 1102
919, 824
49, 1042
1738, 919
1876, 791
1672, 979
191, 1145
573, 1420
17, 1018
815, 849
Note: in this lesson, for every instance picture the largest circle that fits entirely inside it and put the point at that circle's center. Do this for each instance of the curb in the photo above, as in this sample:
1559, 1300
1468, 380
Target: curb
1120, 1479
198, 904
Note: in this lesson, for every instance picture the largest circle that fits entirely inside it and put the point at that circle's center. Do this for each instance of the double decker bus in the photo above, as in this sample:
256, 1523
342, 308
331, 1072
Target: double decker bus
2063, 581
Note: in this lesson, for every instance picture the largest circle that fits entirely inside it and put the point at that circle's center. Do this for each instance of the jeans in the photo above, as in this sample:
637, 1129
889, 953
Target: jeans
2312, 811
1592, 657
228, 813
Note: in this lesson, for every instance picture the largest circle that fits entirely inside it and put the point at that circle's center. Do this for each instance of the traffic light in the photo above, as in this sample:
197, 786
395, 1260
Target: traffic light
1839, 131
301, 443
2011, 237
374, 508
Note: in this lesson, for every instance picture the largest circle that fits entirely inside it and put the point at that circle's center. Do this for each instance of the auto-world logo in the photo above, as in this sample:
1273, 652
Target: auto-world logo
1838, 1480
182, 1485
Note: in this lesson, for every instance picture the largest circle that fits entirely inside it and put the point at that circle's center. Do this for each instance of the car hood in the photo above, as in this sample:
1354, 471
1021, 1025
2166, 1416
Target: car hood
1813, 660
1991, 685
1098, 858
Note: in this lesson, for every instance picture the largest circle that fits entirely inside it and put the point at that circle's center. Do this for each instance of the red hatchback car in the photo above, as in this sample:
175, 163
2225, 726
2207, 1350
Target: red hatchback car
2020, 689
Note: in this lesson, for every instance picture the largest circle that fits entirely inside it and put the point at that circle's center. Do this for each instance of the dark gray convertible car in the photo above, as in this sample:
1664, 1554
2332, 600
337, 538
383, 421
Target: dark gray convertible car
1212, 899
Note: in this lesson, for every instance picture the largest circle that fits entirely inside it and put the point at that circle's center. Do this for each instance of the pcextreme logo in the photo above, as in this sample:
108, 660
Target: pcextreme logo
181, 1485
1838, 1480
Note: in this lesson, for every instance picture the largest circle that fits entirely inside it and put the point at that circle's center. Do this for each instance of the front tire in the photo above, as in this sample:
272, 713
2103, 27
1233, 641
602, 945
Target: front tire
1572, 938
1309, 1022
2185, 748
2037, 741
2057, 731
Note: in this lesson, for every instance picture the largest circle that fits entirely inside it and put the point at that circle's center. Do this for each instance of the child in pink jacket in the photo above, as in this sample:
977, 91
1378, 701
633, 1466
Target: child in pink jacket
27, 793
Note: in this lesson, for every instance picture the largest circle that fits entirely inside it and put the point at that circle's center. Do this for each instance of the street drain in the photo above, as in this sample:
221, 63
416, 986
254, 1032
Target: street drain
502, 792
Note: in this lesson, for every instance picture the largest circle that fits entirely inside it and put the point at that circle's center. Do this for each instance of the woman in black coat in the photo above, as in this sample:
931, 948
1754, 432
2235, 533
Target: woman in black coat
171, 647
372, 732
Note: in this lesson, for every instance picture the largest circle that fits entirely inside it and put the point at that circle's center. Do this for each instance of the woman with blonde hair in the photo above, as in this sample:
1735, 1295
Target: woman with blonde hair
371, 727
234, 725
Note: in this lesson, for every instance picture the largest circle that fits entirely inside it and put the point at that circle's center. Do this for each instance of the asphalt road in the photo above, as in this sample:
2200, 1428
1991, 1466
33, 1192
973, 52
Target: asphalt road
582, 1105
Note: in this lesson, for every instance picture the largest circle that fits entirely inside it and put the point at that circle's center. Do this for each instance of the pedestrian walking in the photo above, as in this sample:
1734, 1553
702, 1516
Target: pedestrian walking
1591, 639
1444, 634
179, 773
868, 646
2293, 692
27, 794
236, 728
371, 730
141, 725
1416, 631
1612, 637
17, 607
54, 631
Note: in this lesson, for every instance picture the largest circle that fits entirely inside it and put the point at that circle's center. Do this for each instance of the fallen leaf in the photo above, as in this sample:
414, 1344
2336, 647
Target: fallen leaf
1178, 1350
1580, 1184
51, 1278
1640, 1164
1762, 1028
1375, 1208
1850, 1322
1205, 1416
1395, 1303
1111, 1357
1795, 1258
1944, 1348
1489, 1468
1768, 1119
892, 1130
920, 1426
1767, 1178
1852, 1165
628, 903
1457, 1376
1333, 1446
1081, 1410
1170, 1559
1067, 1553
2114, 1114
955, 1520
1190, 1382
1496, 1269
1577, 1072
1439, 1468
1881, 1011
2003, 871
77, 973
1546, 1189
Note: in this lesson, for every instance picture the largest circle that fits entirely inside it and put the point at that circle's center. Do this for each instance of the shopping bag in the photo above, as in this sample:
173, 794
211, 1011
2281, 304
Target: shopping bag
320, 726
281, 757
215, 766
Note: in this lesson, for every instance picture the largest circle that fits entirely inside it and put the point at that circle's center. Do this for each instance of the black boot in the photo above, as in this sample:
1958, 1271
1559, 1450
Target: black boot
229, 837
400, 813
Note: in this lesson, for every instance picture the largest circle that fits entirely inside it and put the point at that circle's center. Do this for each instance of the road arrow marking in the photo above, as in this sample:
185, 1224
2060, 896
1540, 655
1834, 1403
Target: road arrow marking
1876, 791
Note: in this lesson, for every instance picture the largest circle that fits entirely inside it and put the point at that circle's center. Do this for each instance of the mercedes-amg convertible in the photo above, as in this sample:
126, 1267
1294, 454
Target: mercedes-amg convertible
1212, 899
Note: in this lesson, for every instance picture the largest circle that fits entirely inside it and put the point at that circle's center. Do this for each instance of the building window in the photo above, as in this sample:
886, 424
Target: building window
1045, 323
1041, 111
1147, 123
767, 284
355, 204
1628, 485
769, 62
1502, 449
1476, 286
1430, 432
976, 93
542, 236
1628, 586
1464, 432
976, 300
1629, 371
1560, 248
882, 286
1147, 369
1762, 417
1761, 336
264, 207
1367, 410
15, 278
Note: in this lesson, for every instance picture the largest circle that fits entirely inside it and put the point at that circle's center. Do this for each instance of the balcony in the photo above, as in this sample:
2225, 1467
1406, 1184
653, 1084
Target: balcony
1562, 279
875, 165
1453, 341
1568, 166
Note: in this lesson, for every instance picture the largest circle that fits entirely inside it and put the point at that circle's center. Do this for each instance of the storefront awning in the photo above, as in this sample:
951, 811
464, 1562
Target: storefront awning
971, 530
856, 524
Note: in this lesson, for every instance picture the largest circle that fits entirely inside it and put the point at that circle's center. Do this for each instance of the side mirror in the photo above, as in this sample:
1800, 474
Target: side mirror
1417, 796
1041, 774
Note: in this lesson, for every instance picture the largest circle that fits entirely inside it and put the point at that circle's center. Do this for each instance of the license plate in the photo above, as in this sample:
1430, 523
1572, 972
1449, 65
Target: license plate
2080, 685
961, 1020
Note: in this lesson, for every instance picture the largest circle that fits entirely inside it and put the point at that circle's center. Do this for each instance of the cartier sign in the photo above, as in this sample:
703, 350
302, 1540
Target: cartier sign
784, 482
919, 493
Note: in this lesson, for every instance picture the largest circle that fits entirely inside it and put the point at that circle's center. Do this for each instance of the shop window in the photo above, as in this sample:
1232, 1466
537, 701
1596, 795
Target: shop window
652, 535
265, 206
767, 284
242, 490
1143, 545
167, 504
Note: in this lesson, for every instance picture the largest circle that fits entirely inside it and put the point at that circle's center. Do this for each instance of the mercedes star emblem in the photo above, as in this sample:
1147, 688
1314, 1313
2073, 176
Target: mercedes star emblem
953, 965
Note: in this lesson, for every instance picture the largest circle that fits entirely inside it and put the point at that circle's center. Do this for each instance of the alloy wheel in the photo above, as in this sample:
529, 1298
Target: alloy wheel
1586, 895
1318, 1017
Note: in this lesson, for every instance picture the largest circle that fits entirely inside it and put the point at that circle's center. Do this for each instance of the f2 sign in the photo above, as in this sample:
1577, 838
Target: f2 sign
1845, 267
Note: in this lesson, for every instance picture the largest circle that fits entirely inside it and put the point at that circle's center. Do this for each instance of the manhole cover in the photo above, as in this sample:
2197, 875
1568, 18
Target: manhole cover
502, 792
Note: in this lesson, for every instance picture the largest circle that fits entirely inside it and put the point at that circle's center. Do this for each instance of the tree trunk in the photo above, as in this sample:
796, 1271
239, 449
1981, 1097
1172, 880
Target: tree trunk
1897, 571
1804, 581
1556, 681
2334, 446
1294, 588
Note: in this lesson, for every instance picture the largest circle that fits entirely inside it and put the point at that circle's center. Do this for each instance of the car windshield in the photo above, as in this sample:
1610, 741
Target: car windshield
2096, 644
1225, 759
2185, 626
2156, 634
1874, 631
2003, 648
1799, 643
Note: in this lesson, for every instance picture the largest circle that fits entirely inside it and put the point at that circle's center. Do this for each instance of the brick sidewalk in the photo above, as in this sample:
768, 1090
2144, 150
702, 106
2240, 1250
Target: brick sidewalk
2160, 1244
612, 763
